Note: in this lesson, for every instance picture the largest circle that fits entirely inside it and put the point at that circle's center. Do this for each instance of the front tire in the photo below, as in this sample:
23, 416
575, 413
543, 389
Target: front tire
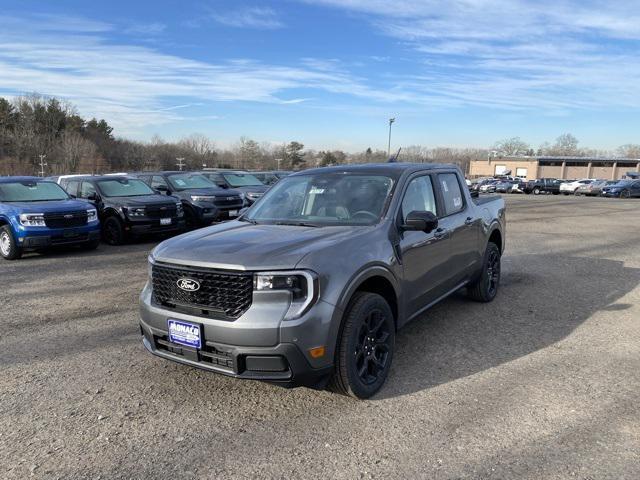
113, 231
485, 288
536, 191
9, 248
365, 347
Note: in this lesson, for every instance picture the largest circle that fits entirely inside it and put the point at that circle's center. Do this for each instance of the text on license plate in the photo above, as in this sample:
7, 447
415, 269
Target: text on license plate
185, 333
165, 221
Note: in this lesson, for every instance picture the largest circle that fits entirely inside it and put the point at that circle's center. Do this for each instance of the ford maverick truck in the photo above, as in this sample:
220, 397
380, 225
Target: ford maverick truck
309, 285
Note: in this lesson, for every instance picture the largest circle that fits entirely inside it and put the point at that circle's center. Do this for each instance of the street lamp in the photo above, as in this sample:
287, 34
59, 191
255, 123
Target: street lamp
391, 120
42, 164
180, 163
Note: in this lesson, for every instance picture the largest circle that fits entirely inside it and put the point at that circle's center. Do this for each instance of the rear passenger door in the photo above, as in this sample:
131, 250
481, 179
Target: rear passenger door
458, 221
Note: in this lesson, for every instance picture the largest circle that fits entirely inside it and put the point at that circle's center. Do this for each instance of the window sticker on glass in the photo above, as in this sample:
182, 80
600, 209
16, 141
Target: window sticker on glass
180, 182
457, 202
316, 191
445, 186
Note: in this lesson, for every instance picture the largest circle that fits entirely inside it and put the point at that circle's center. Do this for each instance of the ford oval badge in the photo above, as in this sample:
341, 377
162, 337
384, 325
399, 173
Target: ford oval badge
188, 284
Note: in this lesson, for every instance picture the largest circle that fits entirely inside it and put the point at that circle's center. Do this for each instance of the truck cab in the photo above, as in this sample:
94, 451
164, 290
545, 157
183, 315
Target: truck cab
36, 214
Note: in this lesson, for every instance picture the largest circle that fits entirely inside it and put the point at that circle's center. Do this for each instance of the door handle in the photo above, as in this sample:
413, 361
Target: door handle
468, 221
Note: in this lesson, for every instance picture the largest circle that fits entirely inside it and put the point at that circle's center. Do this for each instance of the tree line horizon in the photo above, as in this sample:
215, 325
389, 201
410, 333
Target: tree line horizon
34, 125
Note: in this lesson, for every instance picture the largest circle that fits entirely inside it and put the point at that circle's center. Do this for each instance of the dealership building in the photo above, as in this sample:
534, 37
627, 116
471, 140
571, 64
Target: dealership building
555, 167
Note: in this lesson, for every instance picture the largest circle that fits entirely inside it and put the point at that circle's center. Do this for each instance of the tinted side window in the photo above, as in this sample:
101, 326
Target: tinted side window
451, 193
419, 197
86, 190
72, 187
157, 181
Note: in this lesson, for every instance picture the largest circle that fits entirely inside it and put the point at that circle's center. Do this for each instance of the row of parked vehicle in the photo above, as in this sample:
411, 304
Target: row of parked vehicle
592, 187
37, 213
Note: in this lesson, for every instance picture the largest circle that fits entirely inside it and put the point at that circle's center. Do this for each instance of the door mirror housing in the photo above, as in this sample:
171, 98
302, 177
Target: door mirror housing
162, 188
93, 197
474, 193
421, 221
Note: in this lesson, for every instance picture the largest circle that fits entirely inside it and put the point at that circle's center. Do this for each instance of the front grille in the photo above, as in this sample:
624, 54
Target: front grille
161, 211
222, 292
228, 202
65, 219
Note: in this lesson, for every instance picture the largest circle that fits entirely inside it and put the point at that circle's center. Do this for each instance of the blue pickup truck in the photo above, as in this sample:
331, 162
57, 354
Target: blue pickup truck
36, 214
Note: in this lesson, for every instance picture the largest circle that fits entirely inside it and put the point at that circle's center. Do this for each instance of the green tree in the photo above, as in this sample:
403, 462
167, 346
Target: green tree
295, 155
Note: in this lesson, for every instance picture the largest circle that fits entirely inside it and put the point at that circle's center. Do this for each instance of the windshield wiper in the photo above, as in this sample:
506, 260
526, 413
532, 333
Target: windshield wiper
299, 224
248, 220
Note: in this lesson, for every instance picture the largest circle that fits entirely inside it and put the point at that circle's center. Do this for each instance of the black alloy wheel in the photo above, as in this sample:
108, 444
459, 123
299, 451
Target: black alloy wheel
113, 231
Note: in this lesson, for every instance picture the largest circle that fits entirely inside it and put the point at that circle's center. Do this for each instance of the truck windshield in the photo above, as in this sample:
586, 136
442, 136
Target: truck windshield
242, 180
31, 191
186, 181
324, 199
124, 187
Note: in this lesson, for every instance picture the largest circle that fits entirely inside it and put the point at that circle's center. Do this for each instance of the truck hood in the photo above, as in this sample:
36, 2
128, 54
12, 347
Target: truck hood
243, 246
143, 200
48, 207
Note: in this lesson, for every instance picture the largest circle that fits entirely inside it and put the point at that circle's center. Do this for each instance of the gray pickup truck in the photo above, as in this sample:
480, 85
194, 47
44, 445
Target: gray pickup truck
309, 286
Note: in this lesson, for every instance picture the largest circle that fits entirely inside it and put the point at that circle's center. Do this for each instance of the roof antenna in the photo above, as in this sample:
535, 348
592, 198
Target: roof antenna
394, 159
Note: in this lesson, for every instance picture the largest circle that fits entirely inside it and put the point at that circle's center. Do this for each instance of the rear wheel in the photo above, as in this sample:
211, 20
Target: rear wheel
365, 347
9, 248
485, 288
113, 231
625, 194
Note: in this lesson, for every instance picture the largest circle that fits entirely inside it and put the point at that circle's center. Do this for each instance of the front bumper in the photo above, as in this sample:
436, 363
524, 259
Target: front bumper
149, 227
259, 345
42, 237
610, 194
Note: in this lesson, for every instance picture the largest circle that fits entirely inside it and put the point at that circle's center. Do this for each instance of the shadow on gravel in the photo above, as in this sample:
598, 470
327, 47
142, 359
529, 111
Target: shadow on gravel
543, 299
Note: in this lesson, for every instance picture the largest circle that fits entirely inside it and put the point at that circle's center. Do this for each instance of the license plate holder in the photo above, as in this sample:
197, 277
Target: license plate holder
165, 221
185, 333
70, 233
233, 213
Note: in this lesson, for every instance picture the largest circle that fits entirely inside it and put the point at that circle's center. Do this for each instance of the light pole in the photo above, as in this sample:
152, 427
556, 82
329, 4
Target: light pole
42, 163
391, 120
180, 163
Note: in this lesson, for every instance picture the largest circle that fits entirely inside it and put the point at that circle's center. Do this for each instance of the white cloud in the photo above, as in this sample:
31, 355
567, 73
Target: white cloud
251, 17
521, 54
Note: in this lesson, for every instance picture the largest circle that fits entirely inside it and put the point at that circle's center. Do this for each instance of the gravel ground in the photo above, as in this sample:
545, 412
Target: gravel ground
541, 383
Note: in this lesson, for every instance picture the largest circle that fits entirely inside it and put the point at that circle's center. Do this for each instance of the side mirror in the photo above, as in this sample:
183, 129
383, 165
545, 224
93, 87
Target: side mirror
474, 193
162, 188
93, 197
223, 185
421, 221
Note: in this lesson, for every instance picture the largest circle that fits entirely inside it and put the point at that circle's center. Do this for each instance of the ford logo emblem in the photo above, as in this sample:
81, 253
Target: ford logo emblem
188, 285
231, 198
68, 216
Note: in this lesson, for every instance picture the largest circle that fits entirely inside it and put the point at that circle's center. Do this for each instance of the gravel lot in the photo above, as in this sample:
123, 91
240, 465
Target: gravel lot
541, 383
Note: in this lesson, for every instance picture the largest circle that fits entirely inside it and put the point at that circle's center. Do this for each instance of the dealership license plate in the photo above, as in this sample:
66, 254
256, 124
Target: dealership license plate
233, 213
185, 333
70, 233
165, 221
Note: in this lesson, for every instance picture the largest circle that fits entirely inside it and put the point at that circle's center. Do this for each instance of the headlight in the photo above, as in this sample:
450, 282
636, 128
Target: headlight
254, 195
135, 211
92, 215
32, 219
301, 284
150, 263
202, 198
179, 209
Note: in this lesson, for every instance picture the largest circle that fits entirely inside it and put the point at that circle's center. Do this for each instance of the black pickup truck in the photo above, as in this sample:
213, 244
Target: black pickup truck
309, 286
543, 185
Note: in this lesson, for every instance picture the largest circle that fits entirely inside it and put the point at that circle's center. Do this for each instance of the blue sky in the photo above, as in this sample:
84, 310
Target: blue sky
329, 73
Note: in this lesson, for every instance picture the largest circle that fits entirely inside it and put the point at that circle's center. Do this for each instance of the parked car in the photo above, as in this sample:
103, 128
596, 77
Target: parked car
202, 200
475, 186
543, 185
63, 180
271, 177
128, 207
240, 180
489, 186
569, 188
593, 189
36, 214
346, 256
504, 186
622, 189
